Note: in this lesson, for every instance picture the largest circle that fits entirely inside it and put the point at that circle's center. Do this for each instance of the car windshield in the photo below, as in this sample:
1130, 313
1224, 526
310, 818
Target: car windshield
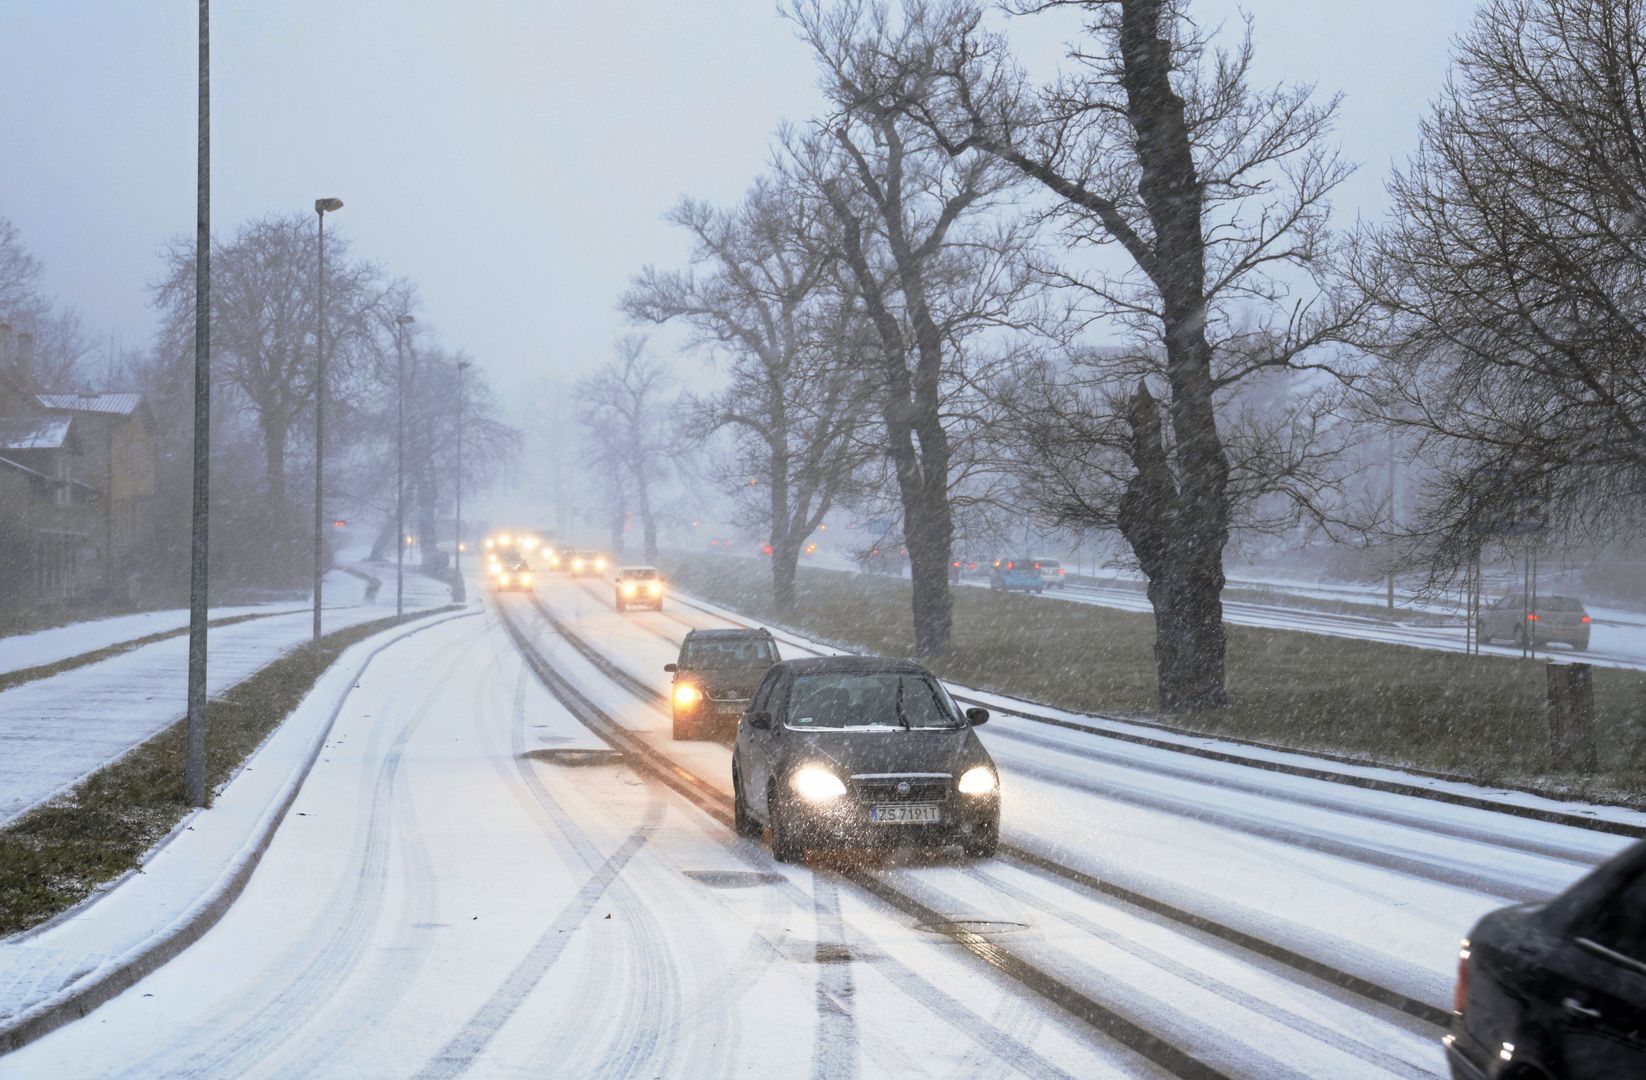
853, 700
729, 652
639, 575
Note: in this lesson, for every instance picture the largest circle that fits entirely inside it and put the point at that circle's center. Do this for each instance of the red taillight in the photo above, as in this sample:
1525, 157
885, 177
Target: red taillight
1460, 995
956, 565
1531, 618
1584, 619
1010, 565
1037, 566
1060, 571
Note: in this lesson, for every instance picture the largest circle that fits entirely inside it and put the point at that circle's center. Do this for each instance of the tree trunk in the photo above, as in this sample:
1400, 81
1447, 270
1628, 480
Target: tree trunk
785, 563
1180, 517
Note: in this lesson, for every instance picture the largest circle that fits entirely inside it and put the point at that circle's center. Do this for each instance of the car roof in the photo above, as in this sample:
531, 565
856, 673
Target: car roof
624, 569
729, 632
853, 665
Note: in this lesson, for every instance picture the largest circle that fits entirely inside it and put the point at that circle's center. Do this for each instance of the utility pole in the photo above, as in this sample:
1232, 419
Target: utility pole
194, 760
400, 325
459, 592
321, 206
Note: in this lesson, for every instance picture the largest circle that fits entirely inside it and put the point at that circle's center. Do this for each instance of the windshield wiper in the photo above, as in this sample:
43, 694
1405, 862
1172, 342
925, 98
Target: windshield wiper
897, 704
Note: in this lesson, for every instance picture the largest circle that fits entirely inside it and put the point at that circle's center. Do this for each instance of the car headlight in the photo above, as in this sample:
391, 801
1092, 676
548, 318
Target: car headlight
980, 780
600, 564
628, 588
686, 695
656, 589
525, 579
503, 579
814, 783
577, 564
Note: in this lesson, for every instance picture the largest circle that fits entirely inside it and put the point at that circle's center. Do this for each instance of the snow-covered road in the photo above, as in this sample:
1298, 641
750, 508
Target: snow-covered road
458, 888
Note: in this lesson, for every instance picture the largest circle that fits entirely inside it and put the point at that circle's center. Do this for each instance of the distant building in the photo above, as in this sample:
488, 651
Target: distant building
77, 473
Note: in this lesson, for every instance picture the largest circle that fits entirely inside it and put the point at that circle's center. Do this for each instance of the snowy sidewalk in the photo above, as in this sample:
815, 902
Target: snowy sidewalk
56, 730
188, 881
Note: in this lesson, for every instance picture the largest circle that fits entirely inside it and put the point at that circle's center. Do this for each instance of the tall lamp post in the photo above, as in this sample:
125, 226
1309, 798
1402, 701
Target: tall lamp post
459, 591
321, 208
194, 758
400, 325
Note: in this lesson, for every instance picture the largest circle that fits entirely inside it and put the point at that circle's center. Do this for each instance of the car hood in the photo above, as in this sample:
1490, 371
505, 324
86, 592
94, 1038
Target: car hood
881, 751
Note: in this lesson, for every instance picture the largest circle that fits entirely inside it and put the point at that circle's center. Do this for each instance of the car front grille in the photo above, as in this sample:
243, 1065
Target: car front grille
884, 789
727, 695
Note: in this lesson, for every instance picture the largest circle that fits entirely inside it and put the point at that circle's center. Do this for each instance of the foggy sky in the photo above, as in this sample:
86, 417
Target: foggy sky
511, 157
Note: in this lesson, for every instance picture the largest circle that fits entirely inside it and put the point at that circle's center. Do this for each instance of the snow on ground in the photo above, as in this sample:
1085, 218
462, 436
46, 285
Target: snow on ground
56, 730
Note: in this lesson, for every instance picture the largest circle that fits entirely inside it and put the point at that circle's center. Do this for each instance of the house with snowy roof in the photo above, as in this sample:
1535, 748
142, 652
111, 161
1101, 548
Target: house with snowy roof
77, 475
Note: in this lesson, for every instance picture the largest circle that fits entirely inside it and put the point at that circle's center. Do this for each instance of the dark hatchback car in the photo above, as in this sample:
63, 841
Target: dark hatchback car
850, 751
1557, 989
715, 677
1551, 619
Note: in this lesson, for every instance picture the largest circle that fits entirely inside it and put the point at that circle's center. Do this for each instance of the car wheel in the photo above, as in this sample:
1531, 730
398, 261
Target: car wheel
784, 847
743, 822
983, 845
1481, 635
1581, 645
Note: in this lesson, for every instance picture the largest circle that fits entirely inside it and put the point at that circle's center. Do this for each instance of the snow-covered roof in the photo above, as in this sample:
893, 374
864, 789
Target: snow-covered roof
85, 401
35, 432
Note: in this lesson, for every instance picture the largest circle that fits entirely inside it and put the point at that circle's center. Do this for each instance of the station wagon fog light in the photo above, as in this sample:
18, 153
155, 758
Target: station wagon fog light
628, 588
656, 588
814, 783
687, 695
978, 781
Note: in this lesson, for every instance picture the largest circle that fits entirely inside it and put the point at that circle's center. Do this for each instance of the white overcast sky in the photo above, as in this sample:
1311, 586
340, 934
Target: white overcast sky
512, 157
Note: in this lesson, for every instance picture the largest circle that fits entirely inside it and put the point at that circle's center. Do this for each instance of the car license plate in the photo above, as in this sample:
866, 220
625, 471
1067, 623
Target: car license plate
734, 709
907, 814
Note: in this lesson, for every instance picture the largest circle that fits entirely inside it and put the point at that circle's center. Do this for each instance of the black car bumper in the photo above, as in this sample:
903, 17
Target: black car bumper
1463, 1062
847, 822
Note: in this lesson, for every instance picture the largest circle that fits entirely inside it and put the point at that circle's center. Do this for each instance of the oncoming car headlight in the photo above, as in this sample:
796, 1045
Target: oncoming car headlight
600, 565
687, 695
814, 783
502, 579
980, 780
577, 565
628, 588
525, 579
656, 588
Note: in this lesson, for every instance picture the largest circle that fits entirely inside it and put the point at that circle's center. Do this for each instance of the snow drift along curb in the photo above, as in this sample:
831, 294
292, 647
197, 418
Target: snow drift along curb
119, 973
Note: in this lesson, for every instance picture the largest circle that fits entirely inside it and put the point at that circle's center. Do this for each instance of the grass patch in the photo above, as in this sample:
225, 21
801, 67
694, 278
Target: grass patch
55, 855
1476, 717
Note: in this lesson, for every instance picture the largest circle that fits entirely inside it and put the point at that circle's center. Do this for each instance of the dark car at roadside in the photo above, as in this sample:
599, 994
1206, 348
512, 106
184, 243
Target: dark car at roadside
715, 677
862, 752
1557, 989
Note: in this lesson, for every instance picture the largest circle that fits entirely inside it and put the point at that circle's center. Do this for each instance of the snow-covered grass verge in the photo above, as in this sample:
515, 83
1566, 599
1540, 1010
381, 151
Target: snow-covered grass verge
57, 854
8, 679
1476, 718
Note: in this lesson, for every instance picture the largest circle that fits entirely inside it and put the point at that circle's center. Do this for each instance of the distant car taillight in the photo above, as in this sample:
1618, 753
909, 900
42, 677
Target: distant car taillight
1584, 619
1460, 995
1531, 618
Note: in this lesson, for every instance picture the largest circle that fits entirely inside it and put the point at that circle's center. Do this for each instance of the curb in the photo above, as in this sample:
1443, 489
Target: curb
80, 999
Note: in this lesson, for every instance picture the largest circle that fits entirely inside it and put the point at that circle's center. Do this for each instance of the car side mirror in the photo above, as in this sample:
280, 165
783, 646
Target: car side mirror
671, 667
760, 721
977, 715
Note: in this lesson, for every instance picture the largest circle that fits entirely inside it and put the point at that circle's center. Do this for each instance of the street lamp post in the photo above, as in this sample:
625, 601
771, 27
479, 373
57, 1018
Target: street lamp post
459, 592
194, 758
321, 208
400, 325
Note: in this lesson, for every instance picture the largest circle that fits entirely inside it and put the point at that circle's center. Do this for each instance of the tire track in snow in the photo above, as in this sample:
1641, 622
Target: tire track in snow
248, 1029
834, 1049
466, 1046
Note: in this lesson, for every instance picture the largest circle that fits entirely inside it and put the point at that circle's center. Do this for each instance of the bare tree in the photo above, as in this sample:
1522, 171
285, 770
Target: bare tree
57, 342
795, 402
264, 323
931, 262
622, 408
1509, 280
1154, 147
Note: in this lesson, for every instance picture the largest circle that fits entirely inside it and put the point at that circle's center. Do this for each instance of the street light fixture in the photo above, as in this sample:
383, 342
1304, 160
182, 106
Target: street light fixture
400, 325
322, 207
459, 592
